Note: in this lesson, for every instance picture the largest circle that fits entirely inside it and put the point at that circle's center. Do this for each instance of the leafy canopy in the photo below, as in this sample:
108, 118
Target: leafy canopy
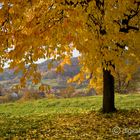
105, 32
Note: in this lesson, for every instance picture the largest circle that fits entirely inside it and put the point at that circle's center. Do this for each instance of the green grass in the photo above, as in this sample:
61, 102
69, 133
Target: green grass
75, 118
69, 105
50, 82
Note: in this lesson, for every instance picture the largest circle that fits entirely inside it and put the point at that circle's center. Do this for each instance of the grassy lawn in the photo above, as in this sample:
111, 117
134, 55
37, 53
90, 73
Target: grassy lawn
75, 118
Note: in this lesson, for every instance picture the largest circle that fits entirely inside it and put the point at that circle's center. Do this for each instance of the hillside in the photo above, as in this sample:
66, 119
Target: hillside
70, 119
8, 78
58, 80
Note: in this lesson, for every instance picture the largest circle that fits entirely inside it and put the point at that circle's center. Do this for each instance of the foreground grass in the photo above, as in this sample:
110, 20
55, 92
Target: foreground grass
75, 118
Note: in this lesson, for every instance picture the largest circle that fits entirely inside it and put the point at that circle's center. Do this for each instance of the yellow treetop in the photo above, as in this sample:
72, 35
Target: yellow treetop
105, 32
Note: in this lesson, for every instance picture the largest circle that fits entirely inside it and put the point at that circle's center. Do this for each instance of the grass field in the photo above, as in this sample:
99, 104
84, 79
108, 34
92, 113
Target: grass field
74, 119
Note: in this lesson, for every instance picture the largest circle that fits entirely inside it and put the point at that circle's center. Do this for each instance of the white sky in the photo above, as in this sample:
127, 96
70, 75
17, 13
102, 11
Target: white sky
75, 54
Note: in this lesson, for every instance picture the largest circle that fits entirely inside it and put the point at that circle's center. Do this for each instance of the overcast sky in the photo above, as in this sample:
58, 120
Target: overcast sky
75, 54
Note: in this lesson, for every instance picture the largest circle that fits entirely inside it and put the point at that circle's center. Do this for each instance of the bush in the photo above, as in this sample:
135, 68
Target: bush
67, 92
32, 94
8, 98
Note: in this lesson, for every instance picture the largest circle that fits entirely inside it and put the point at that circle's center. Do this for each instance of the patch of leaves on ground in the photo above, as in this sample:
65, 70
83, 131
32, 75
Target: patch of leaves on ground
86, 126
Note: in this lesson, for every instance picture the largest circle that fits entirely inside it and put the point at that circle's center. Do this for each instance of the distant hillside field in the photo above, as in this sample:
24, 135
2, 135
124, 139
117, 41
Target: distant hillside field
8, 78
58, 80
70, 119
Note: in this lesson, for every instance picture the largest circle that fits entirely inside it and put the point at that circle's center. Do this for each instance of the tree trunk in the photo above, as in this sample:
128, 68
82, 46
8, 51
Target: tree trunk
108, 92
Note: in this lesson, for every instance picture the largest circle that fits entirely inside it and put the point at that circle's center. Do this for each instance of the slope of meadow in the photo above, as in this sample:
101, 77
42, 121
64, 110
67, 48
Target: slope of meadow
58, 80
74, 119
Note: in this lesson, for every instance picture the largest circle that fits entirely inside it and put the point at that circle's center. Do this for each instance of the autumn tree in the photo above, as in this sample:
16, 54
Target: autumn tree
106, 33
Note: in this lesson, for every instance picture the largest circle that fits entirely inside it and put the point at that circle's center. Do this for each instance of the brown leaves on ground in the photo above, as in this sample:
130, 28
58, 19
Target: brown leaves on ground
122, 125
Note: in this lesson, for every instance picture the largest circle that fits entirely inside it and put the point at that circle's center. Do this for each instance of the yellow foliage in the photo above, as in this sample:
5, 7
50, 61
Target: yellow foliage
101, 32
45, 88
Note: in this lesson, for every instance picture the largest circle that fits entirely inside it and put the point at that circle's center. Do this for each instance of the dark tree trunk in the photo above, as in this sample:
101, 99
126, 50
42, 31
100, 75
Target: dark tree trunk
108, 92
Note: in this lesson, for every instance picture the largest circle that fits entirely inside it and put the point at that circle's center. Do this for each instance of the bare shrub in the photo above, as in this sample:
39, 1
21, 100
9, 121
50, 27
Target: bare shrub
32, 94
